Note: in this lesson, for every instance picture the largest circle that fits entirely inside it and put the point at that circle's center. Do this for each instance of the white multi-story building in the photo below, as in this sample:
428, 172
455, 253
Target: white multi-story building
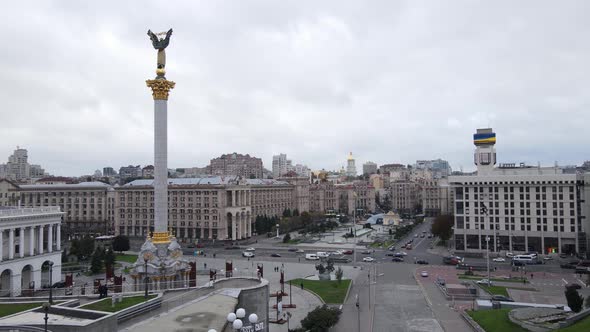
369, 168
30, 238
280, 165
519, 208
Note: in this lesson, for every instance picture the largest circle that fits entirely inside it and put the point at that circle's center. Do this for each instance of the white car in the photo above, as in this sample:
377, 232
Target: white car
484, 282
509, 254
250, 249
368, 259
247, 254
499, 259
424, 274
338, 252
401, 253
300, 251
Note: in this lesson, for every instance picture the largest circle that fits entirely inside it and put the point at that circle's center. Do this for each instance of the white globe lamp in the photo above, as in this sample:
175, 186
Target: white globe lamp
241, 313
237, 324
231, 317
253, 318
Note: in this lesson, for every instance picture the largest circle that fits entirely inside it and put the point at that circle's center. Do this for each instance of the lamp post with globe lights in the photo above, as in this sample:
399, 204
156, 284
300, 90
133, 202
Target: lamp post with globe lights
236, 319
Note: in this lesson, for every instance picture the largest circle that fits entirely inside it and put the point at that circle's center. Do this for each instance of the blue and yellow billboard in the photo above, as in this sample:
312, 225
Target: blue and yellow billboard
484, 139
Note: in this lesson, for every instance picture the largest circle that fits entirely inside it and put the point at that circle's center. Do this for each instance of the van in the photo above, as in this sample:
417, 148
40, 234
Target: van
527, 259
312, 257
323, 254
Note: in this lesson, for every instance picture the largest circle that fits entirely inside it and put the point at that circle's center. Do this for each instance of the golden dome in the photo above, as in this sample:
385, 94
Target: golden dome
350, 156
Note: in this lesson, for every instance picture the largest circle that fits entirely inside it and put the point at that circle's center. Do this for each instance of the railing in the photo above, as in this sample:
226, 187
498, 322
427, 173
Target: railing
27, 211
22, 328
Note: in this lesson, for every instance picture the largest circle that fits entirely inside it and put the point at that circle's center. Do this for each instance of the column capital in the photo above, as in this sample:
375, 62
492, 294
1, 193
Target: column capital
160, 88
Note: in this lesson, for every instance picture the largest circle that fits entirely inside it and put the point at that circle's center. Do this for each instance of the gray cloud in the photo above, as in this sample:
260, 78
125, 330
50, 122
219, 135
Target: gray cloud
389, 81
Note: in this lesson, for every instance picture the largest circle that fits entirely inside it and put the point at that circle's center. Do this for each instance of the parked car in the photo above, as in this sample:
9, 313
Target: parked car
422, 235
562, 255
429, 236
424, 274
422, 262
275, 255
548, 258
59, 284
368, 259
484, 282
348, 252
367, 252
300, 251
573, 285
501, 298
293, 249
190, 245
415, 235
250, 249
499, 259
247, 254
397, 259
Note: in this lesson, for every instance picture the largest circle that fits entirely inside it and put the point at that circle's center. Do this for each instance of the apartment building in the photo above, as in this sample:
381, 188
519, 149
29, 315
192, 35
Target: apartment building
328, 197
238, 165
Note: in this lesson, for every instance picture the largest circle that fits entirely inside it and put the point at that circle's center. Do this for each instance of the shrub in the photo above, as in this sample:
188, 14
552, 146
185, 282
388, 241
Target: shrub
321, 319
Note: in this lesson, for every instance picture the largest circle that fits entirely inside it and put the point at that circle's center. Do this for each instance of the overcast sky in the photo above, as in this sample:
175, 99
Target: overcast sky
391, 81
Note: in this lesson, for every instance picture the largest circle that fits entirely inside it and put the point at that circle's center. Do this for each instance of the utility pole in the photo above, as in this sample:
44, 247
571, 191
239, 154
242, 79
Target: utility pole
358, 310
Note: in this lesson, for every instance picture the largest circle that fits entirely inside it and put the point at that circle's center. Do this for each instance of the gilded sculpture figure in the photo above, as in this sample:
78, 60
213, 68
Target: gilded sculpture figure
160, 44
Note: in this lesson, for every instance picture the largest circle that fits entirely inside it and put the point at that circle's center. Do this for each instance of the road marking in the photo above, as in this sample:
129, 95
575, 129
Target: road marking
583, 283
564, 281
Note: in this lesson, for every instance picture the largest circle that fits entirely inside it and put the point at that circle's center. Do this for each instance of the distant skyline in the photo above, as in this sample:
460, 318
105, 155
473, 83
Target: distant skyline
390, 81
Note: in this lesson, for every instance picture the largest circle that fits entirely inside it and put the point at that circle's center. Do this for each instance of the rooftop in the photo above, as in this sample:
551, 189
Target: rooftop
16, 211
93, 184
211, 180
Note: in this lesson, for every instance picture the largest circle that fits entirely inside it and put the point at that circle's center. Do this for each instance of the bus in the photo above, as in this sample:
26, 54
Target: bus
527, 259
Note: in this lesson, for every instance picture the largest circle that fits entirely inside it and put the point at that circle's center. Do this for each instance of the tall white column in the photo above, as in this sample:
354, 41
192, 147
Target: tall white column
40, 244
1, 244
50, 238
11, 243
160, 165
32, 241
21, 245
58, 236
234, 219
233, 198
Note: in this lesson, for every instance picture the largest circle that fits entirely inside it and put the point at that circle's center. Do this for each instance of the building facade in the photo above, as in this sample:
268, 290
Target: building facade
519, 208
30, 238
8, 193
437, 198
406, 196
86, 206
214, 207
129, 172
369, 168
238, 165
327, 197
18, 168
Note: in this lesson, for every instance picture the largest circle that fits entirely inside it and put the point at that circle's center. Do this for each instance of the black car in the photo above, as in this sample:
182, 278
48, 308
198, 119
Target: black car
518, 263
59, 284
397, 259
292, 249
501, 298
275, 255
422, 262
389, 254
573, 285
232, 248
570, 265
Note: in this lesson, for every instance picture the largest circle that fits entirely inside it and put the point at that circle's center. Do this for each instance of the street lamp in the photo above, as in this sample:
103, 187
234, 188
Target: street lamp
277, 231
236, 319
50, 282
46, 307
488, 258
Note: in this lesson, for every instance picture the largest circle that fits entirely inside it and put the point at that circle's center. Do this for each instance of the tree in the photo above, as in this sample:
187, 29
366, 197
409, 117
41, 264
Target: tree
574, 300
286, 213
321, 319
305, 218
339, 273
287, 238
96, 262
296, 213
443, 227
109, 258
121, 243
588, 302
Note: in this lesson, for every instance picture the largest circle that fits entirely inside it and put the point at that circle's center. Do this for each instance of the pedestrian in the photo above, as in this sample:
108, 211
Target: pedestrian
301, 285
299, 259
213, 255
205, 265
531, 276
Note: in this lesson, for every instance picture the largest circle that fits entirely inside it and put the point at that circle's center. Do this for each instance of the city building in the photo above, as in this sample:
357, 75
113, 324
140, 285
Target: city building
437, 197
18, 168
237, 164
369, 168
327, 197
350, 166
519, 208
109, 172
147, 172
405, 196
438, 167
8, 195
30, 238
87, 206
130, 172
280, 165
301, 196
216, 207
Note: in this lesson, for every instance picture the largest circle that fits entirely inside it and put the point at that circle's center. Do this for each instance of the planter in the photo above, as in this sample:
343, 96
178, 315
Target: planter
324, 276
